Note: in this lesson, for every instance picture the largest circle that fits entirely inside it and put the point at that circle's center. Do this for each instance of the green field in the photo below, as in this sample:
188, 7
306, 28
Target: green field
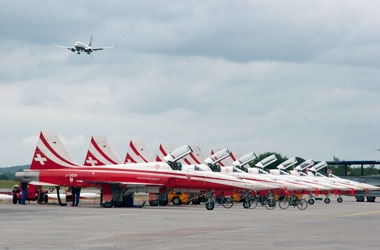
7, 184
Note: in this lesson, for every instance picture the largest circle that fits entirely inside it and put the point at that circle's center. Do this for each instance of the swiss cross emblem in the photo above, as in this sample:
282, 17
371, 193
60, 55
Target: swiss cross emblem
91, 161
157, 166
188, 177
40, 159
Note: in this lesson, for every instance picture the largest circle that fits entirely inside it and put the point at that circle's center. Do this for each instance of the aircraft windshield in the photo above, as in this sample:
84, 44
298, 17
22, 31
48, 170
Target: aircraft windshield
236, 170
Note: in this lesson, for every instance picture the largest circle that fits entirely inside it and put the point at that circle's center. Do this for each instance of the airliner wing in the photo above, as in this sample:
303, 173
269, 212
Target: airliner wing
95, 49
63, 47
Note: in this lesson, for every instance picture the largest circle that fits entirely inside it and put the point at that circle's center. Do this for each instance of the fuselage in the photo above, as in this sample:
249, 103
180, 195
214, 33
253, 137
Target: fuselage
155, 174
82, 47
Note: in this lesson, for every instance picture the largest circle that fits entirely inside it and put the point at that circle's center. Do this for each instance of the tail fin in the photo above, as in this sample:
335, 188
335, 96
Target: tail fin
138, 152
164, 150
90, 44
50, 153
101, 153
195, 157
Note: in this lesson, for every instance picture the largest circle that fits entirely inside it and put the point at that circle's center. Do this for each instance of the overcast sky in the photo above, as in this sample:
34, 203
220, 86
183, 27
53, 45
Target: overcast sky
301, 78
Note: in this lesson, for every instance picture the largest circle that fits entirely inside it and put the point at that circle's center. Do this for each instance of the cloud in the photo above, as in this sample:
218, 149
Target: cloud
299, 78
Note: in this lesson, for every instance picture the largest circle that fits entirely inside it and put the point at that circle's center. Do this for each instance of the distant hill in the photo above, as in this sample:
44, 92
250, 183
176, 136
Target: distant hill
8, 173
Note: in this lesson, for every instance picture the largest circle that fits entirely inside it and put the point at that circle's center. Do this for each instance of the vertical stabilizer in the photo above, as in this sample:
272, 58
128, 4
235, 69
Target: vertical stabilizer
101, 152
164, 150
50, 153
90, 44
195, 157
138, 152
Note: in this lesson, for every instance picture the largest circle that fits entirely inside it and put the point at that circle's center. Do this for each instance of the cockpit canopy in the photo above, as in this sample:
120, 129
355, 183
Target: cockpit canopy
212, 161
265, 162
288, 163
245, 159
178, 153
218, 156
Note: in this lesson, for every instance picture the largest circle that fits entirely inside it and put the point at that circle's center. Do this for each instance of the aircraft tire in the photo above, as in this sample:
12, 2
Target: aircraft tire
210, 205
371, 198
40, 198
153, 203
311, 201
327, 200
339, 199
246, 204
163, 202
107, 204
14, 199
359, 198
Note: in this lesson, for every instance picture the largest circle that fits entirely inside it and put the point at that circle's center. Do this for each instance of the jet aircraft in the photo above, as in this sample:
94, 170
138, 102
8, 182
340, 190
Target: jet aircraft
52, 165
86, 48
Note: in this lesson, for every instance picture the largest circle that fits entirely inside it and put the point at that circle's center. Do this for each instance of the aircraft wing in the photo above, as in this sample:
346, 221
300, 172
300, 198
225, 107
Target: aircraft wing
134, 184
95, 49
63, 47
38, 183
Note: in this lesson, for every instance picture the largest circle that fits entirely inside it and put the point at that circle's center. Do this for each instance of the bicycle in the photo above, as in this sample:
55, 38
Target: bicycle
266, 201
284, 202
226, 202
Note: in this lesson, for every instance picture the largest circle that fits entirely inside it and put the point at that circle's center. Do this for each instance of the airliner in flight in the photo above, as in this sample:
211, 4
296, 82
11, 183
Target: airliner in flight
86, 48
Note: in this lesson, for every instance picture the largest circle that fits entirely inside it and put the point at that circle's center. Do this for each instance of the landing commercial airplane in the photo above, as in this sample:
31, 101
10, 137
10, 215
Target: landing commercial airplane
86, 48
52, 165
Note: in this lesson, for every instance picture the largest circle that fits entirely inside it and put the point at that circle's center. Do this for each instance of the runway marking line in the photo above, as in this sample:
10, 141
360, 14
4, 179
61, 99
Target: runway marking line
357, 214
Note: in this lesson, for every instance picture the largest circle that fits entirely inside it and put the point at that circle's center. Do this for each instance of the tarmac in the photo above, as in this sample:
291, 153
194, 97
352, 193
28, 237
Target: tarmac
348, 225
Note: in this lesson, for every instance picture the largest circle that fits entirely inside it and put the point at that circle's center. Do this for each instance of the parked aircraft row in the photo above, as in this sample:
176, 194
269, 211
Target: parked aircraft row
182, 175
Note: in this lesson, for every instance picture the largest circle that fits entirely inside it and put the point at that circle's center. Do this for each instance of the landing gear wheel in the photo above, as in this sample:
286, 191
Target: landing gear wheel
40, 198
163, 202
311, 201
371, 198
107, 204
339, 199
359, 198
246, 204
327, 200
14, 199
153, 203
119, 203
210, 205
